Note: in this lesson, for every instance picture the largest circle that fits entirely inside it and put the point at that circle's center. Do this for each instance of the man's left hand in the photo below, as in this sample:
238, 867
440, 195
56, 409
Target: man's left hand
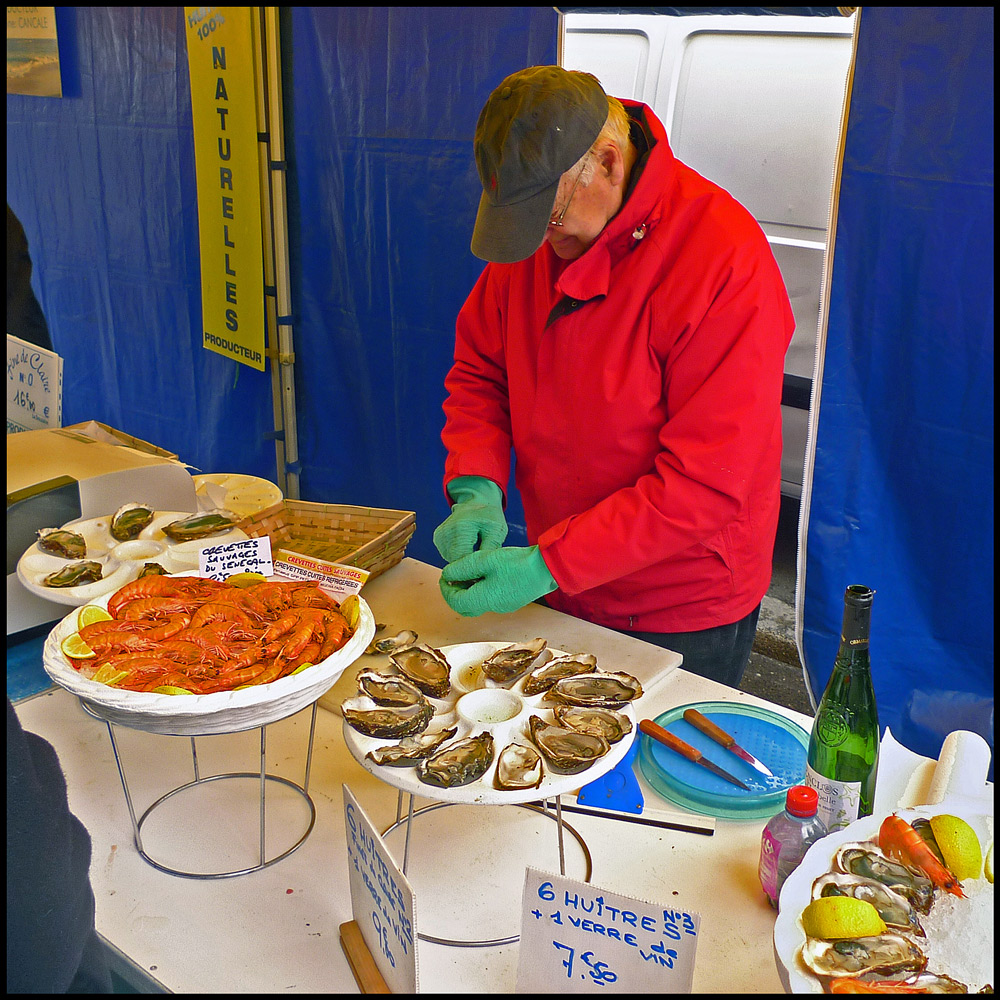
500, 580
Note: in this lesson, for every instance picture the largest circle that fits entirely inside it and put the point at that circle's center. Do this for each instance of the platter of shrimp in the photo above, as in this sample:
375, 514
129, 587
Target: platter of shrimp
186, 655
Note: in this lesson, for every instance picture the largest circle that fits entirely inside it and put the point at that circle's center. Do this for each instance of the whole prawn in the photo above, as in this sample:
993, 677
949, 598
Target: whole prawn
899, 840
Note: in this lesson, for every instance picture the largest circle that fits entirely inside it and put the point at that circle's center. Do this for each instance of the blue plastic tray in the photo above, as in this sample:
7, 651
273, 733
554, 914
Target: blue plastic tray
775, 741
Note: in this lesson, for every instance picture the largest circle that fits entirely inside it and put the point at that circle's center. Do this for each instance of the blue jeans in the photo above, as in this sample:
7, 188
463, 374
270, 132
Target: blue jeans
719, 653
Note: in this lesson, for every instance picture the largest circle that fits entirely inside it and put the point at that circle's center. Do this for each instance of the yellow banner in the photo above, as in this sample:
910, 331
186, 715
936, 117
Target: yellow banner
224, 111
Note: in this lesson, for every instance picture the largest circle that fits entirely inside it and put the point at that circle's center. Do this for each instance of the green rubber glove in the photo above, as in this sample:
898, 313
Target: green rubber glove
476, 519
499, 580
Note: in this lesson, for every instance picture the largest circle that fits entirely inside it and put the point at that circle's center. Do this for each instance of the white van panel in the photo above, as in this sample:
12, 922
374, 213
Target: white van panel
755, 104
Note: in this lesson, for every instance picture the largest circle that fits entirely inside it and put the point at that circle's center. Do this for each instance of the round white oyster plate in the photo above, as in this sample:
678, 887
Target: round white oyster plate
203, 714
121, 562
474, 705
796, 892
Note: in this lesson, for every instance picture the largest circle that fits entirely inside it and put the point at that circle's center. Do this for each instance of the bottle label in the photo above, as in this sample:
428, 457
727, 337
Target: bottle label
767, 870
839, 801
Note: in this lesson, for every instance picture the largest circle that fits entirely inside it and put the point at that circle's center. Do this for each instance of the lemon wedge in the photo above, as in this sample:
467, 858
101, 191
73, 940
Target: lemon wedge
244, 580
170, 689
75, 648
350, 608
300, 668
835, 917
90, 614
959, 846
108, 674
988, 864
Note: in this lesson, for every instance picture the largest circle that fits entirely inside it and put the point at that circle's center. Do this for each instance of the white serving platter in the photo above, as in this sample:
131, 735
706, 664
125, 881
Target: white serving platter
796, 892
203, 714
464, 659
121, 561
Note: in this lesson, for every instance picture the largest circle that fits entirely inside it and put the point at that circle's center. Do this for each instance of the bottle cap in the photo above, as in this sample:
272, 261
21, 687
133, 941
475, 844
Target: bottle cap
802, 800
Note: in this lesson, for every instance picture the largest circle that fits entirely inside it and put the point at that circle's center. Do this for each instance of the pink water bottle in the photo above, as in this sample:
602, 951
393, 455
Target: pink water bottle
787, 837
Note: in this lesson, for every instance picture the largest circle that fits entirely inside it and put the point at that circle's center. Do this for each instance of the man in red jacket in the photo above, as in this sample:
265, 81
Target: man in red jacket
627, 339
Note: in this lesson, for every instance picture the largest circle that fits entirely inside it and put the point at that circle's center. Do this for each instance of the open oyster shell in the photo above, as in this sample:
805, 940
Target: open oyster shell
544, 676
384, 721
411, 749
425, 667
598, 721
596, 690
61, 542
518, 767
129, 520
865, 860
389, 689
566, 750
457, 763
894, 908
392, 643
512, 662
884, 953
75, 574
188, 529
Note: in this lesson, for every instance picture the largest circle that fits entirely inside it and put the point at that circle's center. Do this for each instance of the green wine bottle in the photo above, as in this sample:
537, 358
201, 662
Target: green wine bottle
843, 747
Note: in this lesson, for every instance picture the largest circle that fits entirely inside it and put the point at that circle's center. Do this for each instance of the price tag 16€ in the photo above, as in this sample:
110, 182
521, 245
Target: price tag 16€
578, 938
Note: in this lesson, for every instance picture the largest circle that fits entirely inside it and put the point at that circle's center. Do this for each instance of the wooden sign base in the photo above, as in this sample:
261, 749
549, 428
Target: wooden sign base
369, 979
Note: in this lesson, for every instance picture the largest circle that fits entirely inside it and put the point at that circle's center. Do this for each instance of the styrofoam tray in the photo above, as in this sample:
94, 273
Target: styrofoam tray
203, 714
464, 658
122, 561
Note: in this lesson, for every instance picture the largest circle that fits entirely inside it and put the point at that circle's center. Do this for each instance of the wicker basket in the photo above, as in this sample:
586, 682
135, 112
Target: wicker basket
369, 537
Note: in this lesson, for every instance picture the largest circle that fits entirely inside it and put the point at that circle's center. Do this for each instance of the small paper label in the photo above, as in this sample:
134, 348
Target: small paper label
250, 556
335, 578
839, 801
34, 387
577, 938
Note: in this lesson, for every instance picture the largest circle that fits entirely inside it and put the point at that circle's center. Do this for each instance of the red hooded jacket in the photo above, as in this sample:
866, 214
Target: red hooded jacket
640, 387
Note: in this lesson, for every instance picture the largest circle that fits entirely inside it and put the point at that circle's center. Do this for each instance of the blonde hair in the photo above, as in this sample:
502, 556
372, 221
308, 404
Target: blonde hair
615, 132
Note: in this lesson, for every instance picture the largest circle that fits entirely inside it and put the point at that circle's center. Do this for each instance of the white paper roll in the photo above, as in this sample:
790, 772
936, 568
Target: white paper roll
962, 767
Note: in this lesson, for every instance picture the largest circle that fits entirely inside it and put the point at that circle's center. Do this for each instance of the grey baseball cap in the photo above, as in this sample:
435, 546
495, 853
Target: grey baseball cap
533, 128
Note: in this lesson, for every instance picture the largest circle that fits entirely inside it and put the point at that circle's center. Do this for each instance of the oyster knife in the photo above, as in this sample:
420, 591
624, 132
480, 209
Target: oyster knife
658, 733
712, 731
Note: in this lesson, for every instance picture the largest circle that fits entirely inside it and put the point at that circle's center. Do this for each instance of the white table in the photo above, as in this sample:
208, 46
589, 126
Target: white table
277, 930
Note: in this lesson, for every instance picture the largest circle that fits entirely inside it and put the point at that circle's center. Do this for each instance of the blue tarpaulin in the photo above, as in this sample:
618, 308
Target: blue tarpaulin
901, 493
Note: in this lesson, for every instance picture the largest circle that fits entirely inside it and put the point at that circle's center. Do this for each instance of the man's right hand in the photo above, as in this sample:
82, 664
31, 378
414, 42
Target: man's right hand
476, 519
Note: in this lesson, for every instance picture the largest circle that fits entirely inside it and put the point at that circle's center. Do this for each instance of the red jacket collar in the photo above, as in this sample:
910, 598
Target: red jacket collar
589, 275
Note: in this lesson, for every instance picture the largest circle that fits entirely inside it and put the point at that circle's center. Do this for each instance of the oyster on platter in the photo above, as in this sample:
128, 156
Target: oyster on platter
512, 662
411, 749
566, 750
457, 763
894, 908
392, 643
542, 677
188, 529
389, 689
597, 721
596, 690
866, 861
129, 520
425, 667
518, 766
367, 716
62, 542
75, 574
884, 953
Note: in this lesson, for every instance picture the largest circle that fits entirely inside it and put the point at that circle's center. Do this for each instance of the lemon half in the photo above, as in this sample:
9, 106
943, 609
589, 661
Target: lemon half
835, 917
244, 580
988, 864
959, 845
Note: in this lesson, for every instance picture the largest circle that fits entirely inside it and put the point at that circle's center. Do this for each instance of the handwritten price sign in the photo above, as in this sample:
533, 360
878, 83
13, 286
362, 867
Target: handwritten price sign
253, 555
577, 938
381, 900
